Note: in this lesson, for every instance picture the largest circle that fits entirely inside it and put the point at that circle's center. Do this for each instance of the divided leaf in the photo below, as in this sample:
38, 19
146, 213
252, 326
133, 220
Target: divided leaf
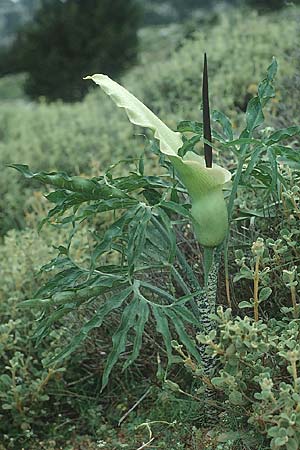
119, 338
141, 320
109, 305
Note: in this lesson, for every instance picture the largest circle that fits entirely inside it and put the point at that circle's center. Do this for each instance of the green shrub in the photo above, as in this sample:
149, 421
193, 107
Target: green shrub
259, 375
238, 48
23, 378
37, 401
70, 137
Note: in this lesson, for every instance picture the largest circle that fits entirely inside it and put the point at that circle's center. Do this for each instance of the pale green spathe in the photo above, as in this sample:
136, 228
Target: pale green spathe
204, 184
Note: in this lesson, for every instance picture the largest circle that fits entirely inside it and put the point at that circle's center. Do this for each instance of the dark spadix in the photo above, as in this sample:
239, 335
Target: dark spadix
206, 116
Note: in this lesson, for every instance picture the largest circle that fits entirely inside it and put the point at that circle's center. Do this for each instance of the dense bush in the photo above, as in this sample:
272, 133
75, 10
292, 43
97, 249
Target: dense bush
259, 377
39, 402
66, 40
172, 87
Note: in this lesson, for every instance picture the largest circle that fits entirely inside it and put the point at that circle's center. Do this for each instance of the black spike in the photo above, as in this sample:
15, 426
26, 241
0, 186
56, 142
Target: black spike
206, 116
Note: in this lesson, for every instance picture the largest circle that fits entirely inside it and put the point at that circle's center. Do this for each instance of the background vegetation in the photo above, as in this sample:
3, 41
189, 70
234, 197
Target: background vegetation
63, 407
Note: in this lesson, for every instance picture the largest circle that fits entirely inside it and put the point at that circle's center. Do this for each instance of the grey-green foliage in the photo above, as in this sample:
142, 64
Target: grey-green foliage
259, 374
238, 48
24, 380
56, 136
33, 396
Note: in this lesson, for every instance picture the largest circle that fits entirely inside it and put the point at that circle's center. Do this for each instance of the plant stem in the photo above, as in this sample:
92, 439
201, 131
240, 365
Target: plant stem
255, 294
293, 296
228, 291
207, 305
45, 381
295, 374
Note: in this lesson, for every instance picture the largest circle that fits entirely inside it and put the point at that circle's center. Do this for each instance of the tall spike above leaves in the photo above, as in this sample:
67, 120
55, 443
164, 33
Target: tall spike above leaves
206, 116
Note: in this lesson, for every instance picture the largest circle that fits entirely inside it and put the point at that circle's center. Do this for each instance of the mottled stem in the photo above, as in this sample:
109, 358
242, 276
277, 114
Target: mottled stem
206, 306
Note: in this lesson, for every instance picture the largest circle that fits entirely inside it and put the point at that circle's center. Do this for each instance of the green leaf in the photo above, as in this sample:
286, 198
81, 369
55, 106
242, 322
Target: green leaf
35, 302
287, 155
113, 232
229, 436
187, 269
120, 337
282, 134
244, 304
254, 114
65, 279
169, 233
245, 272
186, 340
272, 70
225, 123
186, 126
281, 441
265, 212
100, 285
254, 158
137, 234
163, 328
174, 387
61, 180
185, 313
5, 381
43, 329
241, 141
160, 292
190, 126
141, 320
264, 294
106, 205
189, 145
175, 208
236, 398
6, 406
265, 92
265, 89
96, 321
292, 444
219, 382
